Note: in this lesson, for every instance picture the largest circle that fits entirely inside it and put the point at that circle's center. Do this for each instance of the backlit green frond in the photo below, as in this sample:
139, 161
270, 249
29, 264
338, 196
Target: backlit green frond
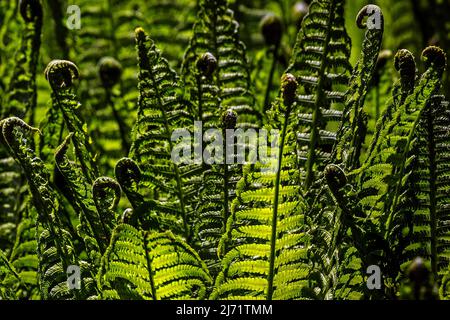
216, 194
61, 74
426, 216
22, 97
152, 266
24, 256
8, 276
216, 32
80, 195
264, 246
161, 111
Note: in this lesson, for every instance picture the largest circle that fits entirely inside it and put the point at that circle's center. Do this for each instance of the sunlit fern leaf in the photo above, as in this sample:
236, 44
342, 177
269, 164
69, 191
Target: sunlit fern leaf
264, 246
161, 110
24, 256
215, 197
426, 215
326, 243
152, 266
335, 271
379, 92
22, 88
147, 214
352, 131
55, 248
383, 173
216, 31
92, 229
52, 128
60, 75
405, 65
404, 29
21, 102
170, 29
320, 62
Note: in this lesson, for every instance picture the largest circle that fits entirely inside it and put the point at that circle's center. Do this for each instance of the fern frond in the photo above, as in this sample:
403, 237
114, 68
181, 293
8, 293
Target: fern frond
352, 131
24, 254
425, 213
22, 98
61, 75
320, 62
161, 111
383, 172
8, 276
216, 194
81, 197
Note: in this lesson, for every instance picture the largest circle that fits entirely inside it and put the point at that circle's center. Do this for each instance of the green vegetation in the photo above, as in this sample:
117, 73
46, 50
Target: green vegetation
358, 179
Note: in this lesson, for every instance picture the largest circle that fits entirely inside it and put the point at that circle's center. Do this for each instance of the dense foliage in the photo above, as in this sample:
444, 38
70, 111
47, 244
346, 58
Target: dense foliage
358, 178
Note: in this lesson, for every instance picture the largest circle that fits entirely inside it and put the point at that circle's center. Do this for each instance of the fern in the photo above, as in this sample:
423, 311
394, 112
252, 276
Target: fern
61, 74
320, 62
158, 266
161, 108
264, 244
216, 194
92, 227
216, 32
352, 133
427, 218
55, 248
23, 255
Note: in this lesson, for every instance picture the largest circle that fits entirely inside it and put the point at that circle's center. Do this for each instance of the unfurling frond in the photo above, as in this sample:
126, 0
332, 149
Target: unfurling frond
158, 266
